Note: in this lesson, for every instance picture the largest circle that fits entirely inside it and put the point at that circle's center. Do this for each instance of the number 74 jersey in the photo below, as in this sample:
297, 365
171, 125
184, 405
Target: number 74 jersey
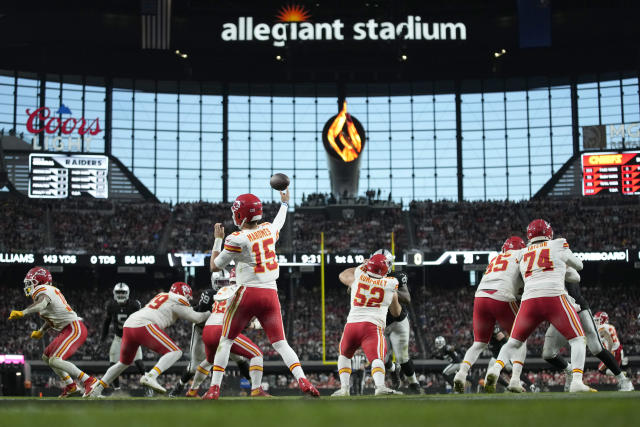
370, 298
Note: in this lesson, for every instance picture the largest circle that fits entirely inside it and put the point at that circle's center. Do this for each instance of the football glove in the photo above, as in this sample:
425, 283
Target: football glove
15, 314
36, 335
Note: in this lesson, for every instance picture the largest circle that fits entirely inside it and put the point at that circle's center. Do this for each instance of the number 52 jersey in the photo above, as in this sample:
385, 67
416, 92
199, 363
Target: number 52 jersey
370, 298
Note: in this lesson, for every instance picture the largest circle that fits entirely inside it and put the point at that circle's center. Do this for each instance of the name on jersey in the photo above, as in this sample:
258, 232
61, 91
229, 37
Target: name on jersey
537, 246
370, 280
260, 234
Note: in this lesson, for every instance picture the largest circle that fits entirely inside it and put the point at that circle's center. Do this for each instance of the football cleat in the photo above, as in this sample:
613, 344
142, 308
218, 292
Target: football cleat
152, 383
625, 385
307, 388
515, 387
70, 390
490, 381
148, 392
89, 383
395, 378
259, 392
578, 387
177, 390
341, 392
213, 393
567, 381
459, 382
414, 388
382, 391
191, 393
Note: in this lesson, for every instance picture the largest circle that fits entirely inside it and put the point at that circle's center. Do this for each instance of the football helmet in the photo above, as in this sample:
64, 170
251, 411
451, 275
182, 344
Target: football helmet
601, 317
377, 266
387, 254
440, 342
219, 279
539, 229
183, 289
37, 276
121, 293
513, 243
246, 208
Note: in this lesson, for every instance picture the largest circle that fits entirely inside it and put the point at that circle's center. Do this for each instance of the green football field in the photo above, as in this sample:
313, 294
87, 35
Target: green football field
540, 410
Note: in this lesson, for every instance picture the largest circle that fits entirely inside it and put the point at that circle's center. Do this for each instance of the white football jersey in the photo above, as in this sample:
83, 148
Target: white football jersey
217, 313
502, 280
609, 337
163, 310
543, 266
57, 313
371, 298
254, 252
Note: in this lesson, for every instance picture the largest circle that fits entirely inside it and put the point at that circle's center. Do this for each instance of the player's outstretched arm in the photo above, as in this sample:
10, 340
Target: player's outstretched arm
41, 302
218, 234
395, 307
187, 313
281, 216
573, 261
348, 276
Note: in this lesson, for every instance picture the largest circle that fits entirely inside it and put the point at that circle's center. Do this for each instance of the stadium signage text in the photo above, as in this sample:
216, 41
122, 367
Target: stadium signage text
603, 256
412, 28
9, 258
54, 128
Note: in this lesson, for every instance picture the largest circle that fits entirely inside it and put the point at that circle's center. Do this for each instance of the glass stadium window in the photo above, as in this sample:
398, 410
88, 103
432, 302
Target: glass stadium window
7, 89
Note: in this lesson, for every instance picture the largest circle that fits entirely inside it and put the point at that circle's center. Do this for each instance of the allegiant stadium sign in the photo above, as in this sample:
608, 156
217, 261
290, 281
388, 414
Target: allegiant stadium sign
245, 29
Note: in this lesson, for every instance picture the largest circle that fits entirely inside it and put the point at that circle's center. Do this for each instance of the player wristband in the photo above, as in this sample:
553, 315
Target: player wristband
217, 245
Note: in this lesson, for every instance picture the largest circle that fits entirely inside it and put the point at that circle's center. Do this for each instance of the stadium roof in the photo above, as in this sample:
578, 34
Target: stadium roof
105, 38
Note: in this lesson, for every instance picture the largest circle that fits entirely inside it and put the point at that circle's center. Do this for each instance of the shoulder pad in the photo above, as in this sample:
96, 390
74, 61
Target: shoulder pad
233, 243
183, 301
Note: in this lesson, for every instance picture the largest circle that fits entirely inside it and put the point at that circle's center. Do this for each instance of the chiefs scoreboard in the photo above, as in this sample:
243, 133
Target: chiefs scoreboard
611, 172
58, 176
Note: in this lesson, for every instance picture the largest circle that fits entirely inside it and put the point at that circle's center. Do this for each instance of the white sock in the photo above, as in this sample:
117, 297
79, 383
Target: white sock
516, 371
255, 372
290, 358
413, 379
64, 377
578, 354
112, 373
221, 360
202, 371
165, 362
507, 352
518, 362
344, 371
63, 365
621, 376
471, 356
377, 372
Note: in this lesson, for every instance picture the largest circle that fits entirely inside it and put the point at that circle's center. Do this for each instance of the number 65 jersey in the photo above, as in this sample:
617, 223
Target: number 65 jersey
370, 298
254, 253
543, 266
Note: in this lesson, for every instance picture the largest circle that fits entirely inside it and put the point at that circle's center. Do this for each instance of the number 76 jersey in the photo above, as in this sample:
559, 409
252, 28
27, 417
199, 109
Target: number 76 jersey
370, 298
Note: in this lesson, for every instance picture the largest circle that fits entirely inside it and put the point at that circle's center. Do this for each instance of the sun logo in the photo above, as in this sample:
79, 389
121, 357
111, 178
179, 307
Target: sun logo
293, 13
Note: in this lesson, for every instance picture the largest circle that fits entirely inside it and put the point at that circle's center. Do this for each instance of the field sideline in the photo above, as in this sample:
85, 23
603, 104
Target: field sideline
540, 409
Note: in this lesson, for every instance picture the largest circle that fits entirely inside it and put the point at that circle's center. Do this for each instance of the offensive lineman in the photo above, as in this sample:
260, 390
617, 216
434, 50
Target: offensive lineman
146, 327
398, 331
372, 295
197, 346
50, 304
543, 265
495, 302
553, 340
117, 312
253, 250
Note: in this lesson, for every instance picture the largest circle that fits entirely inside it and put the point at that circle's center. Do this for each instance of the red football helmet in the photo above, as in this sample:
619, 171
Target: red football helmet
601, 317
246, 207
377, 266
513, 243
37, 276
232, 276
183, 289
539, 228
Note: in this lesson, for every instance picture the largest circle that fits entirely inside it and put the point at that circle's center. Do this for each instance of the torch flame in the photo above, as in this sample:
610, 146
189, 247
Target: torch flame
350, 140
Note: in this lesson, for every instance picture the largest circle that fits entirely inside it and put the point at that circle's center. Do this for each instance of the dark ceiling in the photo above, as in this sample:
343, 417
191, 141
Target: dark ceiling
103, 38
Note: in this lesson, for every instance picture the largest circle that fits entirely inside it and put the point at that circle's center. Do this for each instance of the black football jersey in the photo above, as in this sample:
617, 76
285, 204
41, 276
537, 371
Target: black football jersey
206, 300
573, 289
495, 344
448, 353
402, 284
118, 314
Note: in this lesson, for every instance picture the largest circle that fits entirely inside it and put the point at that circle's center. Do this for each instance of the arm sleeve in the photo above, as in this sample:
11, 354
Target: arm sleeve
187, 313
572, 275
572, 260
231, 250
37, 307
280, 218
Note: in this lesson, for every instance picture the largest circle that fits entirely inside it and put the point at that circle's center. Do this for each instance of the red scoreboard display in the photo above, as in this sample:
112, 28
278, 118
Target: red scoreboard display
607, 173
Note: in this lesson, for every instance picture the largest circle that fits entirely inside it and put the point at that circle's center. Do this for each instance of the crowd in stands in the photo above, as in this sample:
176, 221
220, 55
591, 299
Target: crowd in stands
23, 225
371, 197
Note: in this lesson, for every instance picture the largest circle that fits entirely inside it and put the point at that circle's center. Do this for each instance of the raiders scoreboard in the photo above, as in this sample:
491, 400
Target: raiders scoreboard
611, 172
60, 176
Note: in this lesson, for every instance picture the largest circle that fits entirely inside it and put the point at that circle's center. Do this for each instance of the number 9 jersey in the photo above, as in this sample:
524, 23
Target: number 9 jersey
253, 251
370, 298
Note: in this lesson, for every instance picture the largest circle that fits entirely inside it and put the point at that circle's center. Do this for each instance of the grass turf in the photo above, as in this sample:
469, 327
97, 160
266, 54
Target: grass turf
540, 410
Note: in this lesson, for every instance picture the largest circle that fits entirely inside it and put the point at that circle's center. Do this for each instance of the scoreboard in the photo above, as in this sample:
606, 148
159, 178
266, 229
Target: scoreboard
611, 172
58, 176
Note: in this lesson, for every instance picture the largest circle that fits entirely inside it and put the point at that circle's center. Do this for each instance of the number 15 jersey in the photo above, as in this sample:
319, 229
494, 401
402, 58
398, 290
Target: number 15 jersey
254, 253
371, 298
543, 266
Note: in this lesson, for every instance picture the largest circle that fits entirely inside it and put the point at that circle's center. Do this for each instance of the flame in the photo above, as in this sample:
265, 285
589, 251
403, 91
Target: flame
293, 13
351, 142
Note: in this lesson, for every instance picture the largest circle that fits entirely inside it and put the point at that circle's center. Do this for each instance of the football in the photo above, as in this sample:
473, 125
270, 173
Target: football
279, 181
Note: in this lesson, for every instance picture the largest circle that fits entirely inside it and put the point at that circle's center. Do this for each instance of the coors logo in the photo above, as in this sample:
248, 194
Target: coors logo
55, 124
